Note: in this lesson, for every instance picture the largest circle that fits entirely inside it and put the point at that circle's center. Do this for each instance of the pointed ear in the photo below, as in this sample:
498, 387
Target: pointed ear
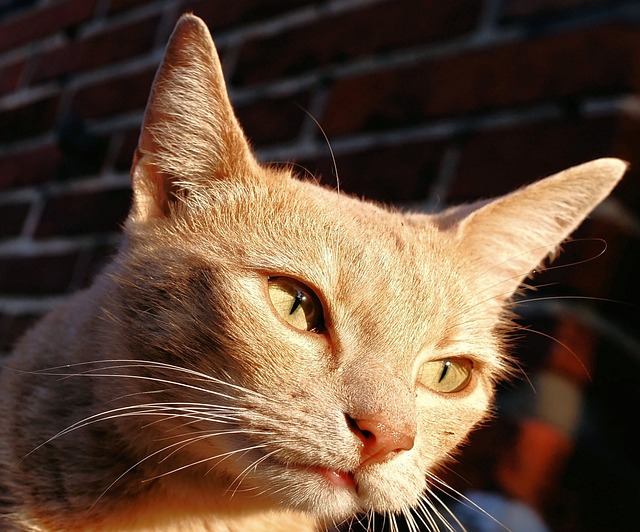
509, 237
190, 135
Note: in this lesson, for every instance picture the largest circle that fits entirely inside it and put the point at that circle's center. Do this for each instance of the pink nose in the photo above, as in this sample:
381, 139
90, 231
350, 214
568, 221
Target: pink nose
380, 440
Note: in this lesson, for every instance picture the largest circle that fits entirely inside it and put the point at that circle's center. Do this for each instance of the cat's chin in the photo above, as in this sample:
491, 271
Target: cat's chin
335, 495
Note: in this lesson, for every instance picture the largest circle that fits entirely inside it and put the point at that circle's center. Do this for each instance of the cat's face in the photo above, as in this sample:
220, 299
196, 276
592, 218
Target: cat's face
341, 318
311, 350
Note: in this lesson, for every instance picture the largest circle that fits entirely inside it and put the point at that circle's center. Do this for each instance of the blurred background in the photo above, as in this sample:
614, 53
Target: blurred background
425, 103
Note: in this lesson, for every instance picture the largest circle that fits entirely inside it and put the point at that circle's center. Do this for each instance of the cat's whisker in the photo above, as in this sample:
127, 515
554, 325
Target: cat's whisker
95, 418
223, 419
410, 520
207, 459
251, 467
147, 409
192, 419
165, 391
385, 518
365, 517
523, 301
463, 499
424, 507
439, 513
335, 524
181, 443
111, 364
537, 251
393, 523
336, 241
131, 468
328, 143
292, 164
557, 341
204, 436
94, 373
372, 520
175, 470
429, 511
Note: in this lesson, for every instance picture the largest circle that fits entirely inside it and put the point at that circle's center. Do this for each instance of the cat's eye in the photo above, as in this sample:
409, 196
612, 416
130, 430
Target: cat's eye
296, 304
448, 375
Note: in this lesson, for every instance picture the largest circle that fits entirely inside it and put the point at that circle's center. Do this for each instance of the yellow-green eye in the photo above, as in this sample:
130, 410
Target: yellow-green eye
296, 304
448, 375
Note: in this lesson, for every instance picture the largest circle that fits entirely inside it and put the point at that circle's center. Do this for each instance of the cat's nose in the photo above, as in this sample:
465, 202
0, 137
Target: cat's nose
381, 439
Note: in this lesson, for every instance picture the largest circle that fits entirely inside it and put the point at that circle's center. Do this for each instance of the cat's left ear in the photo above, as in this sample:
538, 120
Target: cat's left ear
190, 135
509, 237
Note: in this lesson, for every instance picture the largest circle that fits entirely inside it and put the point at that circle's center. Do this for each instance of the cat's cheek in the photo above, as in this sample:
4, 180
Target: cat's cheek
445, 421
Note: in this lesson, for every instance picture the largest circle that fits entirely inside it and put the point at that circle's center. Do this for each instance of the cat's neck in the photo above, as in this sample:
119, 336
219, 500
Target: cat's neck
187, 510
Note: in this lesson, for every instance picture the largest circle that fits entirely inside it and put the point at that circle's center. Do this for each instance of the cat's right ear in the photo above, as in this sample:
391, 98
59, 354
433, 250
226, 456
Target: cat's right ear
508, 237
190, 135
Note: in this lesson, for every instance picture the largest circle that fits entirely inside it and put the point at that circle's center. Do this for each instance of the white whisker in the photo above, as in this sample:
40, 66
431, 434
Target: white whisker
115, 364
148, 409
463, 499
246, 470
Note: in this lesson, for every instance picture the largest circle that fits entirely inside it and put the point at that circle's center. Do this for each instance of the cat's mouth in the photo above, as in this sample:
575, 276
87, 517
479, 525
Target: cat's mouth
338, 479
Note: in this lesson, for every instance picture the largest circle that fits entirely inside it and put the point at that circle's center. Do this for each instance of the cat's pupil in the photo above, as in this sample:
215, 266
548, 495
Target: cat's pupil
445, 369
296, 303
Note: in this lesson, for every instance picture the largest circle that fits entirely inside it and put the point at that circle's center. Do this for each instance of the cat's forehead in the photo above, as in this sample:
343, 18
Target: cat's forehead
326, 237
374, 264
312, 225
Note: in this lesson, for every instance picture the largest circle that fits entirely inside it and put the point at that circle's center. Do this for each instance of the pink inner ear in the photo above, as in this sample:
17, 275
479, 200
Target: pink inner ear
151, 189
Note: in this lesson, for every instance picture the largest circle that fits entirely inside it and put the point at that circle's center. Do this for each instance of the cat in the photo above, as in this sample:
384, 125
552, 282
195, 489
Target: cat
264, 353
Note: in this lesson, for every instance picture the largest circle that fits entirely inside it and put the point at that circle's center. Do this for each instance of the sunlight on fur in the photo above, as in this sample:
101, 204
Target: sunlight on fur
249, 361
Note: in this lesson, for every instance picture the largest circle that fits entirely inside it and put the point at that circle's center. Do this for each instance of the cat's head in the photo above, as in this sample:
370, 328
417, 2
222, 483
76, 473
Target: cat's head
328, 353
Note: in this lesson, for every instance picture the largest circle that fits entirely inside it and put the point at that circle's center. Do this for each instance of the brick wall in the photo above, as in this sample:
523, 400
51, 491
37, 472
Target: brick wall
425, 103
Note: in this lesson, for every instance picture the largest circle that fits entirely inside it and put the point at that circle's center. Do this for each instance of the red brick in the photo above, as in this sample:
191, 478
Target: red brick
13, 327
516, 9
42, 274
392, 174
5, 331
345, 36
578, 270
496, 162
97, 259
117, 6
273, 120
84, 152
222, 14
98, 50
82, 213
124, 157
30, 167
10, 76
12, 218
113, 97
42, 22
596, 61
28, 120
